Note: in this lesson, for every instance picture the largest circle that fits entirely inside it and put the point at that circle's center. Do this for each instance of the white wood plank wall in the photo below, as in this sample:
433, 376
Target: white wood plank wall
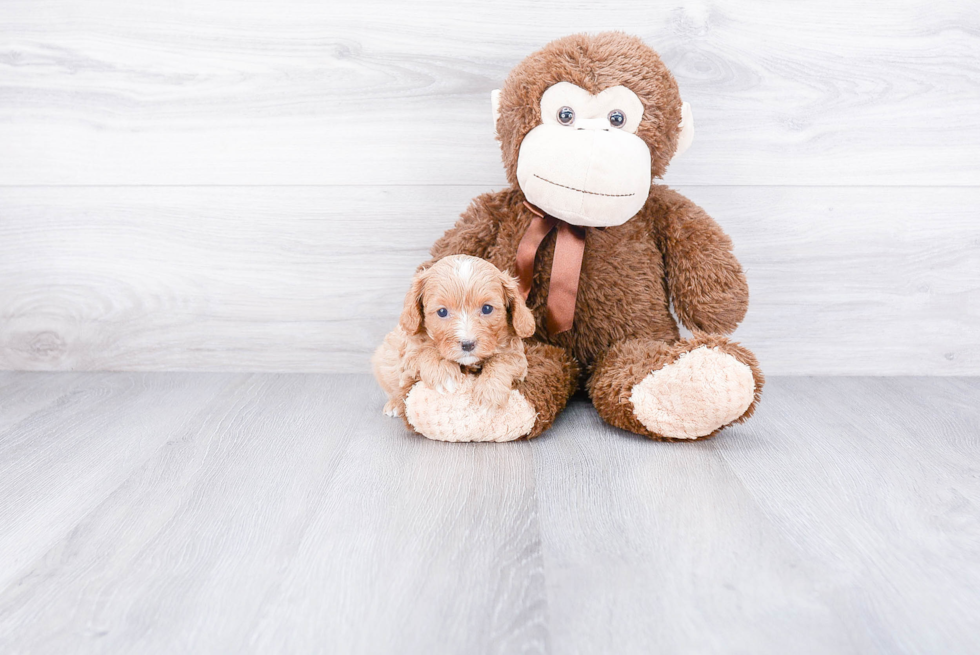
248, 185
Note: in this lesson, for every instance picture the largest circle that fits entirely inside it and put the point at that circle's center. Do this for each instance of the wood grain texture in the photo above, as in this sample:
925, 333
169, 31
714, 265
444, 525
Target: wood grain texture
69, 450
844, 280
823, 525
836, 141
271, 521
298, 92
284, 513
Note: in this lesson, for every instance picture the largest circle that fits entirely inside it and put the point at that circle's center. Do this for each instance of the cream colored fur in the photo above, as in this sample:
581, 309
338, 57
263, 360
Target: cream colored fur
692, 397
615, 183
686, 137
458, 417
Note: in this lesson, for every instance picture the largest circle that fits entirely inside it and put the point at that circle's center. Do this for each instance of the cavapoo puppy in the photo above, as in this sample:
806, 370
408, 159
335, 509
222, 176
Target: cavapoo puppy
462, 316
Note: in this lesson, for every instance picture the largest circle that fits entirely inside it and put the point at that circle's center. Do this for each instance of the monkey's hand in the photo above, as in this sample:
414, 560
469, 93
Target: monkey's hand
706, 281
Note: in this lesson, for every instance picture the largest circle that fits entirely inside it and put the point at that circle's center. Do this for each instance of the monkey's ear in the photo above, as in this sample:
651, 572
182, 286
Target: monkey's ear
520, 316
411, 318
687, 130
495, 107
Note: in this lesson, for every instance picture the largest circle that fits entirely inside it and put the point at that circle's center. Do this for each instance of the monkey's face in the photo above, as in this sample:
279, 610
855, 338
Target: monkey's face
584, 163
585, 124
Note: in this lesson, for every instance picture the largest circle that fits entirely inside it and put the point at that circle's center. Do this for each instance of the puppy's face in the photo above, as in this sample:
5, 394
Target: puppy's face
467, 307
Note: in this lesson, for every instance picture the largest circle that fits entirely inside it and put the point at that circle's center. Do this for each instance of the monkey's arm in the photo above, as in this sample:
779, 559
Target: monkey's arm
475, 231
705, 280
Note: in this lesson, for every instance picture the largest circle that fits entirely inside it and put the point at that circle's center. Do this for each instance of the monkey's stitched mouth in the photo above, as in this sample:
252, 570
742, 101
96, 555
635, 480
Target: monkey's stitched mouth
591, 193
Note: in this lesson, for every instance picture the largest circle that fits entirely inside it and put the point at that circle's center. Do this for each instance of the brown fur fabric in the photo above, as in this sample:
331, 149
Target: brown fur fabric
670, 251
552, 378
626, 282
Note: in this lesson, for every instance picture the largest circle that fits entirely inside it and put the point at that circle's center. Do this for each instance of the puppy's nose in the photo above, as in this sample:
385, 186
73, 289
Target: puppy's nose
467, 346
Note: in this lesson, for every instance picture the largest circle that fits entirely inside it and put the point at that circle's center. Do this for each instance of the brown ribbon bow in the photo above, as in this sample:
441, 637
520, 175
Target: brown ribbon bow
565, 266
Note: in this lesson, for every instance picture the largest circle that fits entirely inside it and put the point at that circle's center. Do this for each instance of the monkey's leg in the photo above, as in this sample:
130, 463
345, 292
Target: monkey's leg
686, 390
552, 377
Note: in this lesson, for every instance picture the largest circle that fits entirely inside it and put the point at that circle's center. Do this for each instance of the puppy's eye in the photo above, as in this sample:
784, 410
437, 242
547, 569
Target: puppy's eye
566, 115
488, 309
617, 118
442, 312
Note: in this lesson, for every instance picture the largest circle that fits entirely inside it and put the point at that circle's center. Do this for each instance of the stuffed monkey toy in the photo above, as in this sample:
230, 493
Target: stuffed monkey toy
585, 125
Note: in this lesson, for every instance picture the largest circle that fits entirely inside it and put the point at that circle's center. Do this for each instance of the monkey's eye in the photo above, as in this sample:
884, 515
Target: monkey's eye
617, 118
487, 309
566, 115
442, 312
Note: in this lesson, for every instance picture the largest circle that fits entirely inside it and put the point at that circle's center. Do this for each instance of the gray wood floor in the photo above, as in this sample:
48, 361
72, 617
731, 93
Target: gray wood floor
192, 512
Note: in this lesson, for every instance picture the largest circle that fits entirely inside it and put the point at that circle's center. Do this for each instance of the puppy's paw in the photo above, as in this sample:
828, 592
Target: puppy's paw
393, 409
445, 379
449, 385
491, 392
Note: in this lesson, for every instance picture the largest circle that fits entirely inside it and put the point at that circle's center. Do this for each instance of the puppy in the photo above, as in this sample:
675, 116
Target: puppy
462, 316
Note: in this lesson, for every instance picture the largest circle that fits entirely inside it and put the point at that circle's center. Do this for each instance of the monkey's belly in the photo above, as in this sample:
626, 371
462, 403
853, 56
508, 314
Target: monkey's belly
602, 324
622, 291
605, 314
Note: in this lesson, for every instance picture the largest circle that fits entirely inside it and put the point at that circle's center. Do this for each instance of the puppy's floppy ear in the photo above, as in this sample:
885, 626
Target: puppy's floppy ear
412, 312
520, 316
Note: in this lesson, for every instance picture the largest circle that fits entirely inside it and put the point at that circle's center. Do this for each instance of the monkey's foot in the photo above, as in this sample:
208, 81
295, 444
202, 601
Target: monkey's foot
700, 392
682, 390
457, 416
